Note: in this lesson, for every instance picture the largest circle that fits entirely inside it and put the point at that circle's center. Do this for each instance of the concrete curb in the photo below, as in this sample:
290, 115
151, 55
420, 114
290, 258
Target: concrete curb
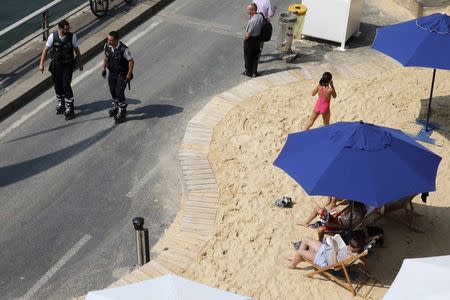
25, 92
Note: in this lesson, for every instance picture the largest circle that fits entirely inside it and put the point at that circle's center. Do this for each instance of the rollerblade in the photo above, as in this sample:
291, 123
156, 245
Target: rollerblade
69, 112
120, 116
114, 110
60, 107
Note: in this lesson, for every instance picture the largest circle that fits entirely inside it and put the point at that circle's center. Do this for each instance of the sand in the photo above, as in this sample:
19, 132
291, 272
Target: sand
252, 236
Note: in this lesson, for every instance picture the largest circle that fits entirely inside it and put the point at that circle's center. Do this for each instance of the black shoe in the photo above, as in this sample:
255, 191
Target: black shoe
246, 74
120, 116
113, 112
69, 113
60, 108
256, 75
283, 202
296, 245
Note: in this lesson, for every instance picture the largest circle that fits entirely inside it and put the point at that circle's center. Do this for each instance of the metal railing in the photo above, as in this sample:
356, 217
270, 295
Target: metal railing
46, 25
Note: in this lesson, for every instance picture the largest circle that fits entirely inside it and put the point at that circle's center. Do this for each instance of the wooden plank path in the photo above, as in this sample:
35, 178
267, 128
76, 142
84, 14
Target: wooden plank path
200, 188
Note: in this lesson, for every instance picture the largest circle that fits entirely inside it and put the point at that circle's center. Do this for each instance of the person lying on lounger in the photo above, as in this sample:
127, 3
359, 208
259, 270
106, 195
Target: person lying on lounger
329, 207
322, 254
332, 220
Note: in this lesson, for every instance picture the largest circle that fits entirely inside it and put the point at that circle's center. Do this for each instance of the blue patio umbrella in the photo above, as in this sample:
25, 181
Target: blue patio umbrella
358, 161
422, 42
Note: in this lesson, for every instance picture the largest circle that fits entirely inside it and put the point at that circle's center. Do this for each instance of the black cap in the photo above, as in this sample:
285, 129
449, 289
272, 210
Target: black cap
138, 223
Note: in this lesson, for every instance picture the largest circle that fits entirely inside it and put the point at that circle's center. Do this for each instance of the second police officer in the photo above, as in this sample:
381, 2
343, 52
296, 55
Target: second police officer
119, 62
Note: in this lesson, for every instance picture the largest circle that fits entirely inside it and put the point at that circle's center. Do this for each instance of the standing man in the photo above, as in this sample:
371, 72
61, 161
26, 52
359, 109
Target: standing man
252, 41
62, 44
120, 65
265, 7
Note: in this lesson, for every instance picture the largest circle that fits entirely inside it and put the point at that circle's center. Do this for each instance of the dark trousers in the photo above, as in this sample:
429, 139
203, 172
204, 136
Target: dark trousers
117, 84
252, 49
62, 78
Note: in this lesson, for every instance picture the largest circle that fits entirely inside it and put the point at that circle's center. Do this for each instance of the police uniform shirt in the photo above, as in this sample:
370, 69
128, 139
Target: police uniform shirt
126, 53
254, 25
49, 43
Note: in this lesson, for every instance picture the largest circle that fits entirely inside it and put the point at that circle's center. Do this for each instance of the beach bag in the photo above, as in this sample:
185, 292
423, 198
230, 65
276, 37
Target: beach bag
266, 29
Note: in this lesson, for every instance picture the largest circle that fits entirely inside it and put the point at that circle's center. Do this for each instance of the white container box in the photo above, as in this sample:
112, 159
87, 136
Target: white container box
333, 20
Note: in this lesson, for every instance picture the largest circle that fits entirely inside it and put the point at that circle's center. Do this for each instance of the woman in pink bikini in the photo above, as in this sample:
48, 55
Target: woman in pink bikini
326, 90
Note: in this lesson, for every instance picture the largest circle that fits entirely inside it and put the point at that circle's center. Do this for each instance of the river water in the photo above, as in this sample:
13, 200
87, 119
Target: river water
12, 11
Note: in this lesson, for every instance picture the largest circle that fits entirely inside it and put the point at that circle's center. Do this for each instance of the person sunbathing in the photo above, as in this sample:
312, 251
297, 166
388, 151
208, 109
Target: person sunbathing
329, 207
324, 255
332, 220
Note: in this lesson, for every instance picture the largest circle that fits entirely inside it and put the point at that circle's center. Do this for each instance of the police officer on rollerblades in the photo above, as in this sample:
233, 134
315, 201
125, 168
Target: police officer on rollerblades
62, 44
119, 62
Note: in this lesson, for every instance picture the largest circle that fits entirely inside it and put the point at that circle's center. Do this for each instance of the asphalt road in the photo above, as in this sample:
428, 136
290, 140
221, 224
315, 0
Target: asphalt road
69, 189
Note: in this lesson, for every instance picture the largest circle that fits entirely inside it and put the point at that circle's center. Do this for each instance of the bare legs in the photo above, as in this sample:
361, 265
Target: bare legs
313, 118
308, 249
314, 213
317, 211
326, 118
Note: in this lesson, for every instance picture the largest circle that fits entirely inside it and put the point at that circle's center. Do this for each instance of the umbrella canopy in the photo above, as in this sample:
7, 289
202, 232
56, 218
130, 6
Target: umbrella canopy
359, 161
422, 42
168, 287
422, 278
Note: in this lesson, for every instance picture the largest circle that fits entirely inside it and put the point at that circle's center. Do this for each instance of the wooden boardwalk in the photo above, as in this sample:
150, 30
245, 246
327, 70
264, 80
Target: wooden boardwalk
200, 189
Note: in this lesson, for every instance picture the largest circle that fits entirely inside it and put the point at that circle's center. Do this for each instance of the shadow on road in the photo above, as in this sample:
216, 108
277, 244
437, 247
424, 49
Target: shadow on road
139, 113
20, 171
272, 71
152, 111
102, 105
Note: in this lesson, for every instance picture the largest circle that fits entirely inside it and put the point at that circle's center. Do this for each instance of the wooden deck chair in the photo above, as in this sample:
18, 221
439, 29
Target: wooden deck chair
346, 282
404, 204
355, 224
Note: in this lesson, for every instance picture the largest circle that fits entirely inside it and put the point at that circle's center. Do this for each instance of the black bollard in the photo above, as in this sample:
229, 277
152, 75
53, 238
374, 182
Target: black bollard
142, 243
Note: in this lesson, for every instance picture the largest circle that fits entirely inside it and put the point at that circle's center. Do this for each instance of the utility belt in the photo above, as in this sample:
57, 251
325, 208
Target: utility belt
54, 62
124, 75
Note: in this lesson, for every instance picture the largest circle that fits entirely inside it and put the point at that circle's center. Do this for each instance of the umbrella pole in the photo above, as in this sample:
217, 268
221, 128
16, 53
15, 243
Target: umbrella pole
425, 132
351, 221
429, 101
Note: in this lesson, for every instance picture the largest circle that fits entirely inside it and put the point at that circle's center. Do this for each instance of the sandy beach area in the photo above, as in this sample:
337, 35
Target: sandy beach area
252, 236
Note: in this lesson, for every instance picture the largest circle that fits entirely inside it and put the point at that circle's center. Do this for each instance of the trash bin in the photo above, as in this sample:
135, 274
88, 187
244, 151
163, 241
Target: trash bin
299, 10
287, 21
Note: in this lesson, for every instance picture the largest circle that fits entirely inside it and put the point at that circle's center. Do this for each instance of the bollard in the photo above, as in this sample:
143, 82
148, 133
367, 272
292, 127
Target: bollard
138, 224
142, 241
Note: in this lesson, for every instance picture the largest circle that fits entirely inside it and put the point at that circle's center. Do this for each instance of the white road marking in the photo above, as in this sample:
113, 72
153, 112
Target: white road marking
142, 33
140, 184
63, 260
83, 75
